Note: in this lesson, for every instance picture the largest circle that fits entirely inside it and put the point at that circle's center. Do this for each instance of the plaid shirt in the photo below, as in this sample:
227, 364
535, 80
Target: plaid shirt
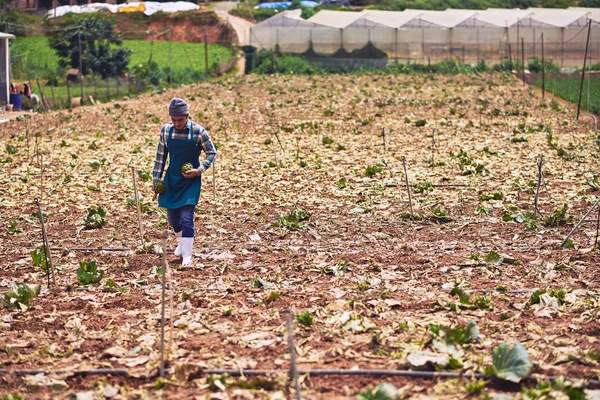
192, 130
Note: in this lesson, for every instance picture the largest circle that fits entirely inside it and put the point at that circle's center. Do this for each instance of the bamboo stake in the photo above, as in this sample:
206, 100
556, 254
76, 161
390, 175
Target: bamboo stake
579, 223
597, 228
412, 215
41, 178
162, 309
137, 203
27, 136
293, 374
47, 254
539, 163
214, 179
433, 148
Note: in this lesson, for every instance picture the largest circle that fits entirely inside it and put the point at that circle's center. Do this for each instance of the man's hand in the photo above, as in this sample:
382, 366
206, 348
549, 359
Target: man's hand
193, 173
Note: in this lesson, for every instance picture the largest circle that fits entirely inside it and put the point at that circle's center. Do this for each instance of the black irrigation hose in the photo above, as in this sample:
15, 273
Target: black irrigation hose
100, 371
313, 372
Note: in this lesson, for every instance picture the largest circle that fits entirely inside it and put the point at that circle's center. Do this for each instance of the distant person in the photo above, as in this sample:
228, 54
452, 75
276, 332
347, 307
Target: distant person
182, 140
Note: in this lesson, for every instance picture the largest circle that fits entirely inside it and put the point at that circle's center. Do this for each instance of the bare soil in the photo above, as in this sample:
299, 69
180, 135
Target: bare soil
372, 279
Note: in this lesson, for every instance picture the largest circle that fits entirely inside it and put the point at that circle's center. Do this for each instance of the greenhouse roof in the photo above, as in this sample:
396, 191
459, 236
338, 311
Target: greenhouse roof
390, 19
550, 17
503, 17
335, 19
451, 18
446, 19
594, 13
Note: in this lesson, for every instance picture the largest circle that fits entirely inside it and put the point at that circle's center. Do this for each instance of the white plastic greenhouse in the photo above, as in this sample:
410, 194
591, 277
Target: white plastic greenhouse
424, 36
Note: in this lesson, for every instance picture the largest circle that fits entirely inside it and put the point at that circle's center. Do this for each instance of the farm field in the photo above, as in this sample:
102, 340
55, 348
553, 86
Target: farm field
306, 211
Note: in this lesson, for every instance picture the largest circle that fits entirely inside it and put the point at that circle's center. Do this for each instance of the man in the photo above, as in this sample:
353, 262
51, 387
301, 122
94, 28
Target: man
182, 140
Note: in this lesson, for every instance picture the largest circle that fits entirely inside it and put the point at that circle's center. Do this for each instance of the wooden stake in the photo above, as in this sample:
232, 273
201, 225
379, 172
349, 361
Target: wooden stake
597, 228
161, 371
539, 163
214, 179
137, 203
47, 254
383, 138
412, 214
41, 178
433, 148
579, 223
293, 374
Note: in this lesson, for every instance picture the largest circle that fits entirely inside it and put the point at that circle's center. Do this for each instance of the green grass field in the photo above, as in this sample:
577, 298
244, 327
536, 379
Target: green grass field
35, 61
568, 89
34, 58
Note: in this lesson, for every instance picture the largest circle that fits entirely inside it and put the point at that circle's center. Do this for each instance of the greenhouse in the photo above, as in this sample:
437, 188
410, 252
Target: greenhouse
422, 36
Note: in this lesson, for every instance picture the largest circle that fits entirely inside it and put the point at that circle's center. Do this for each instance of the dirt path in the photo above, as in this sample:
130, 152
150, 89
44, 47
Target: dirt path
240, 25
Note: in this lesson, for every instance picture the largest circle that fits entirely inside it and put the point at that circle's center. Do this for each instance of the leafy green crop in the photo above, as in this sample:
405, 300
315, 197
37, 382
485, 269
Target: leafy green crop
18, 297
88, 272
293, 220
95, 218
512, 363
38, 257
305, 318
373, 170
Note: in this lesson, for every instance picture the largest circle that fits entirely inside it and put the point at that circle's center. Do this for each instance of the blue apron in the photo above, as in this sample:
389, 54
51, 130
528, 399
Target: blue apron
181, 191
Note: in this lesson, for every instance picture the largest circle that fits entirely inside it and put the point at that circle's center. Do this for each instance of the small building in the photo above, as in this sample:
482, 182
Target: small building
4, 68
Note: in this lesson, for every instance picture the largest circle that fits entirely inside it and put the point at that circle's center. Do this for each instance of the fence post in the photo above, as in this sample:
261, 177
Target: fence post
205, 54
543, 71
80, 65
523, 59
583, 69
170, 58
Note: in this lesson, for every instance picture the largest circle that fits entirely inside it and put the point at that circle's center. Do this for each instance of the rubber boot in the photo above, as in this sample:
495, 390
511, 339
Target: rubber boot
177, 251
187, 244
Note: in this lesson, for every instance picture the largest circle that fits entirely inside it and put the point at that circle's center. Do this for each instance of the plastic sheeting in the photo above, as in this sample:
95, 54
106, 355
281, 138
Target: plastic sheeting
286, 4
147, 7
428, 36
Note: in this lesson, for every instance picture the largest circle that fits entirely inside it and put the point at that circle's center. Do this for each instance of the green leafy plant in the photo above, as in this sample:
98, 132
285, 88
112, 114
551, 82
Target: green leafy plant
13, 227
38, 256
88, 273
305, 318
423, 187
294, 220
467, 164
18, 297
497, 195
383, 391
511, 363
441, 213
558, 217
456, 335
512, 213
342, 183
95, 218
373, 170
480, 302
420, 122
559, 294
327, 140
144, 176
475, 387
11, 149
594, 183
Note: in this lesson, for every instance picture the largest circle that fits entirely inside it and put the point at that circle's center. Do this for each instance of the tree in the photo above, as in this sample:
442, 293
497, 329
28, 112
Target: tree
101, 53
